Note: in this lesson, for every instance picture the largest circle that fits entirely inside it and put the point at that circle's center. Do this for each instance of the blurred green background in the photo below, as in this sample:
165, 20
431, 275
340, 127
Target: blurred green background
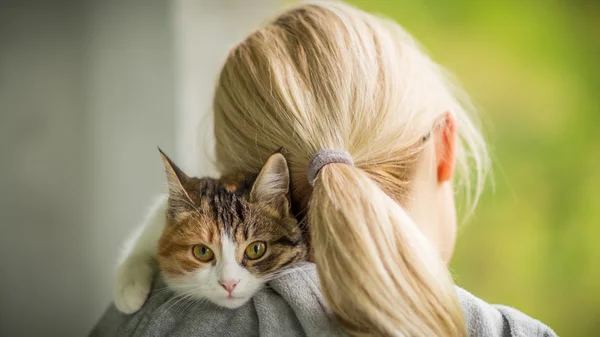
533, 70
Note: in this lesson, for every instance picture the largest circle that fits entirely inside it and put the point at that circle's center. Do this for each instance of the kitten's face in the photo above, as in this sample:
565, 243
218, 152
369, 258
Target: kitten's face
223, 242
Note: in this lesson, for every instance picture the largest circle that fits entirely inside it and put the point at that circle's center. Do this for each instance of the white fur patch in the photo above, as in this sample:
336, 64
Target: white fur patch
134, 273
204, 284
132, 285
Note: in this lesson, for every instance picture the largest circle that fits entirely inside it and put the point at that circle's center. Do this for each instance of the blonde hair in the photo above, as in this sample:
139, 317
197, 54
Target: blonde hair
328, 76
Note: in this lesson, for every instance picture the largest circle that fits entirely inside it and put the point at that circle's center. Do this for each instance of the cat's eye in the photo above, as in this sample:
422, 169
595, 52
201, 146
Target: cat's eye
203, 253
256, 250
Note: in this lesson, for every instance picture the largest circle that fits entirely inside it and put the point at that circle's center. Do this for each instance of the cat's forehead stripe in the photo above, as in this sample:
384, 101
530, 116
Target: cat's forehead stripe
224, 203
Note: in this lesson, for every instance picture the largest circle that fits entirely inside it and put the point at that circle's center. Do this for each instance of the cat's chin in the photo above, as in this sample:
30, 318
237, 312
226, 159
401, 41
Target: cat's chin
230, 302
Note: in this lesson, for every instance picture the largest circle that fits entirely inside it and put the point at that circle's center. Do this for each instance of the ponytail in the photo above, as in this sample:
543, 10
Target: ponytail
378, 272
325, 75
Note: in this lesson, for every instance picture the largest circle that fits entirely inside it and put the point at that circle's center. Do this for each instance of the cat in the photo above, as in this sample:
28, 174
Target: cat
214, 239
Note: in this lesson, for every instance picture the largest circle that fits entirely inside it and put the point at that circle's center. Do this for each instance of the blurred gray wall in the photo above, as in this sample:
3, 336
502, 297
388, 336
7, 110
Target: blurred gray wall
88, 89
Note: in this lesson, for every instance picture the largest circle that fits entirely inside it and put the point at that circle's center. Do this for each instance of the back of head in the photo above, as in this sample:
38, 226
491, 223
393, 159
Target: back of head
328, 76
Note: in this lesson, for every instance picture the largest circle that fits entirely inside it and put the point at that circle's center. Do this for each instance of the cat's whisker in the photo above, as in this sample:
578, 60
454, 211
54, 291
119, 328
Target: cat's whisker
160, 290
181, 297
187, 302
288, 271
171, 299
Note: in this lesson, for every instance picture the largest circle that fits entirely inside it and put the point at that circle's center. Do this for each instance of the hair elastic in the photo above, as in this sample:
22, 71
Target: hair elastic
324, 157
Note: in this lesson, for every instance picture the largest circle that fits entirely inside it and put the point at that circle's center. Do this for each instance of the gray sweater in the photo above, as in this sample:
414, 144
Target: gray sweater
291, 306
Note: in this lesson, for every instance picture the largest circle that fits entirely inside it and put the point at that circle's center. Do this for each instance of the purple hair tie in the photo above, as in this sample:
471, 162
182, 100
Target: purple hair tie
324, 157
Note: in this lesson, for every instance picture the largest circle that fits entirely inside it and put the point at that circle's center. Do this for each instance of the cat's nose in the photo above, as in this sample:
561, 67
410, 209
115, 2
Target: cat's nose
229, 285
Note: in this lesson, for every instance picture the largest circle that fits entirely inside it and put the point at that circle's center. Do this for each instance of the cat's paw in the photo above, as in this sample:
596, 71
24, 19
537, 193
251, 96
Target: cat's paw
132, 285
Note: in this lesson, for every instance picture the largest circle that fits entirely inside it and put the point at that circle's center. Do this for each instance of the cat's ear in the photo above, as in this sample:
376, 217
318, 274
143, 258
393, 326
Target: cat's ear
272, 185
176, 179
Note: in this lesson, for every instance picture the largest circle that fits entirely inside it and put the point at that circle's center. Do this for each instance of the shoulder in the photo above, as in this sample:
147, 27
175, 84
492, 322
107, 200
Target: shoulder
292, 306
167, 314
487, 320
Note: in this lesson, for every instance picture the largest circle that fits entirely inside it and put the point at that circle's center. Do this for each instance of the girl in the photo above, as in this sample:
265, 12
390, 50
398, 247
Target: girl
374, 136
